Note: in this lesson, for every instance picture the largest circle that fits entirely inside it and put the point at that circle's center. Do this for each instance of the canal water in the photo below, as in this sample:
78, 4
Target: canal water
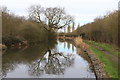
55, 59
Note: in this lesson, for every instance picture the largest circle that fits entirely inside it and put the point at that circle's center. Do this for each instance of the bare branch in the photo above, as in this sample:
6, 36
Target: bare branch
35, 12
56, 18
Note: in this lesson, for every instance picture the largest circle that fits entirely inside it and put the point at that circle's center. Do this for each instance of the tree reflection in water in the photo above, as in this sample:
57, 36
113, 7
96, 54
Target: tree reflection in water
14, 57
40, 59
47, 59
51, 63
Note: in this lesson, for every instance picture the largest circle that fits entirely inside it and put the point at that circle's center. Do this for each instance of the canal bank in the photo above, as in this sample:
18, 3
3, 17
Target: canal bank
3, 47
97, 65
108, 55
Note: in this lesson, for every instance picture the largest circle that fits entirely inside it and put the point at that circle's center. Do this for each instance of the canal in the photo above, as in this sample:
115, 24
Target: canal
55, 59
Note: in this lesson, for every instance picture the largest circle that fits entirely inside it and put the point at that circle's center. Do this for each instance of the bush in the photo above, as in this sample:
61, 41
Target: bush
10, 40
103, 29
33, 32
16, 28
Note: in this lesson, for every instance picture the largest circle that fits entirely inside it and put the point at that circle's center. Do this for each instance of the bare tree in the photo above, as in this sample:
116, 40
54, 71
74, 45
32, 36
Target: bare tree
35, 12
68, 29
73, 26
55, 18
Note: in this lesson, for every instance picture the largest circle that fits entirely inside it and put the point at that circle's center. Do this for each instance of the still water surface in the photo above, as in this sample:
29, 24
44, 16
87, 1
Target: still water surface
47, 60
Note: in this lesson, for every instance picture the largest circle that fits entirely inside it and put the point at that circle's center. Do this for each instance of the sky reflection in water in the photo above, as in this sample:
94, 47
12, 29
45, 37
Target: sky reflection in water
60, 62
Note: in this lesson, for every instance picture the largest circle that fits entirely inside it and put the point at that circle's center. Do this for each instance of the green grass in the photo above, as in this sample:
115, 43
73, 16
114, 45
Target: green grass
110, 67
105, 46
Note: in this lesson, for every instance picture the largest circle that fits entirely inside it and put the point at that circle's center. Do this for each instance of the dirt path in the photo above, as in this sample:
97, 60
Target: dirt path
111, 56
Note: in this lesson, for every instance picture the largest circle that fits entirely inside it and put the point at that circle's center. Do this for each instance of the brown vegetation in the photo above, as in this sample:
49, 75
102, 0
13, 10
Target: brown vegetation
79, 42
16, 30
41, 25
103, 29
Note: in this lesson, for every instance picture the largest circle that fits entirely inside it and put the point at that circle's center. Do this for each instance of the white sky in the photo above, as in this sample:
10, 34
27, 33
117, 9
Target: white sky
84, 11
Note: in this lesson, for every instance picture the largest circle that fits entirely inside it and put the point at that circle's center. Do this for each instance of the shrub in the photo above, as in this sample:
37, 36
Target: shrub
33, 32
10, 40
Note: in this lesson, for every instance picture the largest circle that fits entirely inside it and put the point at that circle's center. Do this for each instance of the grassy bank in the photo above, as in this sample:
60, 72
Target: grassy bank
105, 46
110, 67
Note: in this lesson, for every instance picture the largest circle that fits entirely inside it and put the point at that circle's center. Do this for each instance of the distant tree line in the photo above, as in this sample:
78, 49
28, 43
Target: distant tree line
103, 29
41, 25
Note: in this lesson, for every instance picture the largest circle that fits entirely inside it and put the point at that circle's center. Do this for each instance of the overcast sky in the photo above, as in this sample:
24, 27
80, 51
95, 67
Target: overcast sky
84, 11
